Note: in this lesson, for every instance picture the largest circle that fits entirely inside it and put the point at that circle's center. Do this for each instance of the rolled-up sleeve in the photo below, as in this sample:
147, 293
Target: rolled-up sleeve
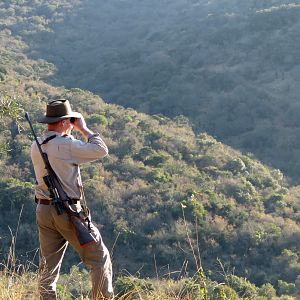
94, 149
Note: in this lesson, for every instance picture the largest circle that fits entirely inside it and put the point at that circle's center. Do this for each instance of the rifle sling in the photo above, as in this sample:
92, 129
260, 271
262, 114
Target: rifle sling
70, 201
48, 139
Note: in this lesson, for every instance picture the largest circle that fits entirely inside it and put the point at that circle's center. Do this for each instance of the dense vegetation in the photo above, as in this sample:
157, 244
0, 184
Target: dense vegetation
230, 66
160, 186
165, 196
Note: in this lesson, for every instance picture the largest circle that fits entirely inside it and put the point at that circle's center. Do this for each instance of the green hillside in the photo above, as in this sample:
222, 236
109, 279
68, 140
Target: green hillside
160, 184
232, 67
163, 193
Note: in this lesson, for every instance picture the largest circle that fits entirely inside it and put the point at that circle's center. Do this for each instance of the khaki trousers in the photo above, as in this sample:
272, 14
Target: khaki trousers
55, 232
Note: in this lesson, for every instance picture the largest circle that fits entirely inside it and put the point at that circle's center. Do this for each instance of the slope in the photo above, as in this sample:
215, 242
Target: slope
160, 182
230, 66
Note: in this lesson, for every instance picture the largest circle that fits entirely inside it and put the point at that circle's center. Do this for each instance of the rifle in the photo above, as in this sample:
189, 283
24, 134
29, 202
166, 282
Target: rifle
61, 200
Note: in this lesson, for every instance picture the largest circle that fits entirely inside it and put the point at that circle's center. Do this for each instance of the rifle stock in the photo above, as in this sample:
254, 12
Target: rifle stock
61, 200
84, 239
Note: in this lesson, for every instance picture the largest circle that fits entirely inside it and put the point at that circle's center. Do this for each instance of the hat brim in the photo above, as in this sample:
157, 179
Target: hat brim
50, 120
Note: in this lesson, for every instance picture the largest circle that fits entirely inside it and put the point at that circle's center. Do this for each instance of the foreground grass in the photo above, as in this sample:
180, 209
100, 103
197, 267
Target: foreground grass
18, 282
25, 288
76, 286
14, 287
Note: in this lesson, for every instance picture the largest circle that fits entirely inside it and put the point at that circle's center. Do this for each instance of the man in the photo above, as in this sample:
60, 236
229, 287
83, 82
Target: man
65, 154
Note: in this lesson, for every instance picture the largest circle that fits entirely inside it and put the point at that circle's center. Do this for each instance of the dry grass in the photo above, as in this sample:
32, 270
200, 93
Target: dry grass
24, 287
18, 282
18, 287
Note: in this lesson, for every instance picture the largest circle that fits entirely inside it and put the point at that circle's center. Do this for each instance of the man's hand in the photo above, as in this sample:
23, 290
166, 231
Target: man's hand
80, 125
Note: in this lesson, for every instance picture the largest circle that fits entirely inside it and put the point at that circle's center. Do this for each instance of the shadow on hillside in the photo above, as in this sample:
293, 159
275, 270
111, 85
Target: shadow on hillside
228, 75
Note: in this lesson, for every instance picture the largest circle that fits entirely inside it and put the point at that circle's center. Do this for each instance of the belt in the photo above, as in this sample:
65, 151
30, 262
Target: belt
50, 202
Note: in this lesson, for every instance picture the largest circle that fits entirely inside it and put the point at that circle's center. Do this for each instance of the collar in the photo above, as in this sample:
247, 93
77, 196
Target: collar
49, 133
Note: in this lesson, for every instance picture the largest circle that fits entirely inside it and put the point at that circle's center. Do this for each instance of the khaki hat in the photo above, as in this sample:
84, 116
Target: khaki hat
58, 110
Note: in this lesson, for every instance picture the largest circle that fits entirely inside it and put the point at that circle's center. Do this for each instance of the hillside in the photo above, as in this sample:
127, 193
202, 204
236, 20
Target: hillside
230, 66
161, 184
158, 180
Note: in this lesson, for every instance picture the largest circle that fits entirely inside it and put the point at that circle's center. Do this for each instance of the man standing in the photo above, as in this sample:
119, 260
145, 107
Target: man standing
65, 154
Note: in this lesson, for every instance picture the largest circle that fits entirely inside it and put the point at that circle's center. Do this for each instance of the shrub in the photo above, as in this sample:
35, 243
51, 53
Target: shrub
286, 288
132, 285
153, 136
204, 161
125, 147
286, 297
275, 201
74, 285
243, 191
97, 119
144, 153
221, 292
193, 290
159, 175
235, 166
156, 160
242, 286
267, 291
195, 207
3, 73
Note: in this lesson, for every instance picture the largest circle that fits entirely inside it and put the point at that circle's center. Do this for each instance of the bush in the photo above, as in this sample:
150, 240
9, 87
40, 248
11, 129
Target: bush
126, 147
193, 290
153, 136
204, 161
194, 207
3, 73
286, 288
242, 286
267, 291
74, 284
156, 160
235, 166
243, 191
159, 175
144, 153
275, 201
221, 292
97, 119
132, 285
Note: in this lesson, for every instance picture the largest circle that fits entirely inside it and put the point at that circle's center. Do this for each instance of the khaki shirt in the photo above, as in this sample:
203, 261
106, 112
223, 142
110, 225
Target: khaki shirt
65, 154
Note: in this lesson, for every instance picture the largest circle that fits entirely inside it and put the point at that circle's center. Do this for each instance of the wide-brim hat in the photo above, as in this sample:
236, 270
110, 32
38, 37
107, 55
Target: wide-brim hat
58, 110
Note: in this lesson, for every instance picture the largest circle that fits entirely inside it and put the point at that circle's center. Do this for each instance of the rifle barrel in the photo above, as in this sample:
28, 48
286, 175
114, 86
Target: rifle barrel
34, 135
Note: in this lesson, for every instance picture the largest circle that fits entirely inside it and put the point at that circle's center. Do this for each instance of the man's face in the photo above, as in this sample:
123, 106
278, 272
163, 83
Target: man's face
67, 126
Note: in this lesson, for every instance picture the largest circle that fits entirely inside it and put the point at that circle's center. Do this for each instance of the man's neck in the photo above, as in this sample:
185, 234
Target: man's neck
60, 132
